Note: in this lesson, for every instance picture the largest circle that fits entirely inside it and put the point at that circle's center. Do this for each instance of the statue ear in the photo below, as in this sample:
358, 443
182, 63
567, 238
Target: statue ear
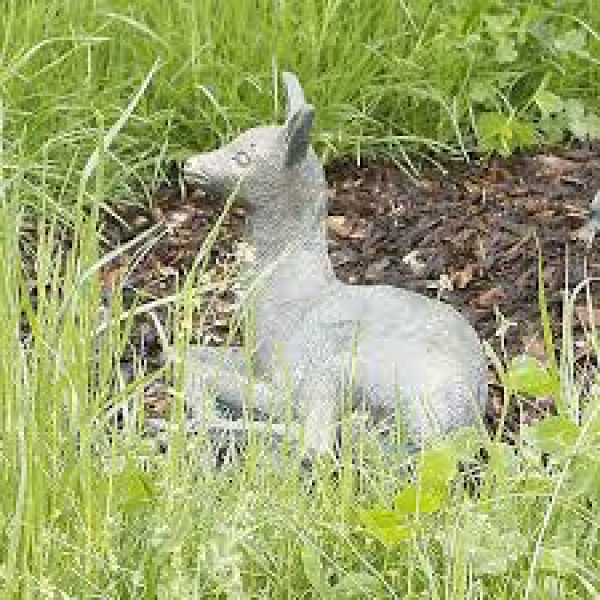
297, 134
294, 93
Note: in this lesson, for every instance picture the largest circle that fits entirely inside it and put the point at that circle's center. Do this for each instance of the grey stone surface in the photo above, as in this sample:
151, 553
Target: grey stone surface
590, 228
403, 357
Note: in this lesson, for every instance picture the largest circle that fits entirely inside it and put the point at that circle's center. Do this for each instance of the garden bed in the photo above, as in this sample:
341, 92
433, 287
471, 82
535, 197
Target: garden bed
466, 233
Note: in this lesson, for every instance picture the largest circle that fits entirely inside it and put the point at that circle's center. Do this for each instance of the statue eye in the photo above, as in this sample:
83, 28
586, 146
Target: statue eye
242, 158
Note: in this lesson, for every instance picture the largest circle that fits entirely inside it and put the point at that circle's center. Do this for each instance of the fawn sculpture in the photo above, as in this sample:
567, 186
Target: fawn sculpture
402, 355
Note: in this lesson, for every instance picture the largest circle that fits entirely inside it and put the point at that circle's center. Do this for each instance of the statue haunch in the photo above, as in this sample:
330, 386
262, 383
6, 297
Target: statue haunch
400, 354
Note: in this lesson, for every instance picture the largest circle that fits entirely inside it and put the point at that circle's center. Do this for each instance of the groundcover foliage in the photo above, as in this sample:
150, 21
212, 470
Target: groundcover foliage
95, 98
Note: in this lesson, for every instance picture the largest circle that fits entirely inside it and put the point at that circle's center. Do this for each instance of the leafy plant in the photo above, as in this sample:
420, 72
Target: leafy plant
416, 503
558, 116
504, 133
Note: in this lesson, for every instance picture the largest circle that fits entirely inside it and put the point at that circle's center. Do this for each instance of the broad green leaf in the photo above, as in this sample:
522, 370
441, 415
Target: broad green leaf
504, 134
499, 25
587, 126
482, 91
582, 124
584, 477
502, 464
523, 134
574, 109
531, 18
492, 124
386, 525
526, 375
555, 435
427, 500
437, 465
311, 564
134, 489
571, 41
506, 51
554, 127
548, 103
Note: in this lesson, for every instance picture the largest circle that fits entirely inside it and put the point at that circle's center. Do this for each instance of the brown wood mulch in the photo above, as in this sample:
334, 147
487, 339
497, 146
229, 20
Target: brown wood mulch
469, 235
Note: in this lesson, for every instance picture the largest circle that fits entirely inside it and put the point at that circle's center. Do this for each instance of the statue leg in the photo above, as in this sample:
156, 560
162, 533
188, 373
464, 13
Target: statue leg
220, 374
319, 403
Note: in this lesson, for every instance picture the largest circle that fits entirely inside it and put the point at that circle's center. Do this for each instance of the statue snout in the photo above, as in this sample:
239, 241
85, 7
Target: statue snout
193, 173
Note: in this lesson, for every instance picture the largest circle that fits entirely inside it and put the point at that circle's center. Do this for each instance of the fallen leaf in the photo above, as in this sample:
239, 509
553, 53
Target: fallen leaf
339, 225
490, 297
586, 314
535, 347
463, 277
361, 230
444, 283
177, 218
375, 270
416, 266
555, 165
516, 249
496, 174
245, 252
586, 233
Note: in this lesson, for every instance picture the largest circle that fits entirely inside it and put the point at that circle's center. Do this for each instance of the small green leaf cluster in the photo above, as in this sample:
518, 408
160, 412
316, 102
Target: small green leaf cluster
526, 102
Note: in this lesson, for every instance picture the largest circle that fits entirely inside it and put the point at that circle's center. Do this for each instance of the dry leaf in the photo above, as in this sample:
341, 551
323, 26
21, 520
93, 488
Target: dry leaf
463, 277
585, 314
490, 297
339, 225
375, 270
535, 347
361, 230
555, 165
412, 260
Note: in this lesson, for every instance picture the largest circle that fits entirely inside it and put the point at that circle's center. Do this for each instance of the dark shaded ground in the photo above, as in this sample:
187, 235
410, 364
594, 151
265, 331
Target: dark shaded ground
469, 236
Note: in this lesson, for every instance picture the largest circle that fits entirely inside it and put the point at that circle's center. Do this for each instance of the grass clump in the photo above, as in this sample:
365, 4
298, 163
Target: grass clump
394, 77
96, 96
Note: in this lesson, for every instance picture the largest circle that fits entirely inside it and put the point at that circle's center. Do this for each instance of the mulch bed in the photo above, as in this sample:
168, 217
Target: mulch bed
469, 235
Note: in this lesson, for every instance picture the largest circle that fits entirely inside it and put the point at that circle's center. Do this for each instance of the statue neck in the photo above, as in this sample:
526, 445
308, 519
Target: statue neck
291, 254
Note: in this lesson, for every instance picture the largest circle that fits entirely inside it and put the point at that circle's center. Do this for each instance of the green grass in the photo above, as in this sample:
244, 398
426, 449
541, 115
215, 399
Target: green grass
404, 78
95, 99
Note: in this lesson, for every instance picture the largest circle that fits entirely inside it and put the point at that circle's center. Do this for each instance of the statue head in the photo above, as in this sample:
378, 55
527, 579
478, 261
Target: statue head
264, 166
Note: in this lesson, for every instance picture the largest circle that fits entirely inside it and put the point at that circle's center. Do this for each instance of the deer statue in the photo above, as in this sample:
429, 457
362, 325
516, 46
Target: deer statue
398, 354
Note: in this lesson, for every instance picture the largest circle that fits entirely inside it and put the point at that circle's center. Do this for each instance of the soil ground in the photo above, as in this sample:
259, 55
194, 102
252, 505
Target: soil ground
466, 233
